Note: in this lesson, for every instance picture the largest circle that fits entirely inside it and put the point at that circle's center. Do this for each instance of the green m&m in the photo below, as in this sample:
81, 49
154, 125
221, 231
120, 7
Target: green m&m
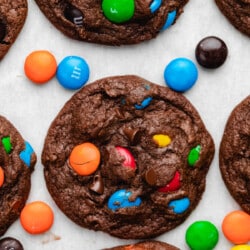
118, 11
202, 235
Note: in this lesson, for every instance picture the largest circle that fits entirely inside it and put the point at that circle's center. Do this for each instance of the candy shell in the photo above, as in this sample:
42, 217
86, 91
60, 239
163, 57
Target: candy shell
236, 227
162, 140
129, 158
120, 199
40, 66
36, 217
241, 247
155, 5
179, 206
1, 176
180, 74
85, 158
118, 11
72, 72
9, 243
170, 20
202, 235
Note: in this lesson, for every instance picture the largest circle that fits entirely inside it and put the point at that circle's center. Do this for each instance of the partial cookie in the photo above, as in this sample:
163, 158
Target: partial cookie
12, 17
17, 160
235, 152
237, 12
148, 153
112, 22
146, 245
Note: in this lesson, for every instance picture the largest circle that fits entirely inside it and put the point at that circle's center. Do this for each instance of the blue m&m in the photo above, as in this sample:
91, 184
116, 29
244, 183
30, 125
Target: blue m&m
72, 72
120, 199
180, 74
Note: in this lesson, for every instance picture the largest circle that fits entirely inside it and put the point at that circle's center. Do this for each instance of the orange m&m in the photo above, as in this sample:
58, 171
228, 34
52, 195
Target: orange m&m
236, 227
37, 217
40, 66
85, 158
1, 176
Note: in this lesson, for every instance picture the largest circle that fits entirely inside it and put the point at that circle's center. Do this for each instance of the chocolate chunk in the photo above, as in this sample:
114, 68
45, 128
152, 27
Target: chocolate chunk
97, 185
151, 177
211, 52
133, 135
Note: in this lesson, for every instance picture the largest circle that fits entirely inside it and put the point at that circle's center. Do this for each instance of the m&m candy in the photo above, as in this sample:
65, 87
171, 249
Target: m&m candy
10, 243
1, 176
85, 158
37, 217
180, 74
118, 11
72, 72
40, 66
202, 235
236, 227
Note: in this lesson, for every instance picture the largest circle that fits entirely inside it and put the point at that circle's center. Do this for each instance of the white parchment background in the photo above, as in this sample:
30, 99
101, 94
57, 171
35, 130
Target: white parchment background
31, 108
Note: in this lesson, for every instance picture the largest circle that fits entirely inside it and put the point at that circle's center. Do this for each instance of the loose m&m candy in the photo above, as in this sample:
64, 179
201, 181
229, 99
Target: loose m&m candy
37, 217
72, 72
40, 66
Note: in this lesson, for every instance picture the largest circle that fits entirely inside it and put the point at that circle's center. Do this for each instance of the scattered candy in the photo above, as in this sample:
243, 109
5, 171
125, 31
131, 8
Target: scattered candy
236, 227
40, 66
1, 176
118, 11
7, 144
179, 206
85, 158
120, 199
36, 217
72, 72
129, 158
194, 155
155, 5
211, 52
170, 20
26, 154
173, 185
162, 140
241, 247
180, 74
74, 15
202, 235
144, 103
9, 243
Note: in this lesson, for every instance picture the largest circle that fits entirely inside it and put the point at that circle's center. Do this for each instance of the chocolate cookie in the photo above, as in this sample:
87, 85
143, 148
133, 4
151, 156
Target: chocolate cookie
112, 22
17, 160
127, 157
234, 154
12, 17
146, 245
237, 12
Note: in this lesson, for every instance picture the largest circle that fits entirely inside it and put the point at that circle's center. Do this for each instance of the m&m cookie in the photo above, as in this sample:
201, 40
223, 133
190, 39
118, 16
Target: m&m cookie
112, 22
146, 245
127, 157
234, 154
17, 160
237, 12
12, 17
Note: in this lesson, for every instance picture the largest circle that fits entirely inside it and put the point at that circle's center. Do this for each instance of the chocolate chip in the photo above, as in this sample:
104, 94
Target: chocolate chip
211, 52
133, 135
74, 15
2, 30
150, 177
10, 243
97, 185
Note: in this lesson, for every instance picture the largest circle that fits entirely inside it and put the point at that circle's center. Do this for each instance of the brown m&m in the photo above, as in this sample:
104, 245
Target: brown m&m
211, 52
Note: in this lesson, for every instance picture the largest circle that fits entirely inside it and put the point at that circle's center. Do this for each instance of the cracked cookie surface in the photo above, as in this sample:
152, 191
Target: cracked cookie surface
154, 155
